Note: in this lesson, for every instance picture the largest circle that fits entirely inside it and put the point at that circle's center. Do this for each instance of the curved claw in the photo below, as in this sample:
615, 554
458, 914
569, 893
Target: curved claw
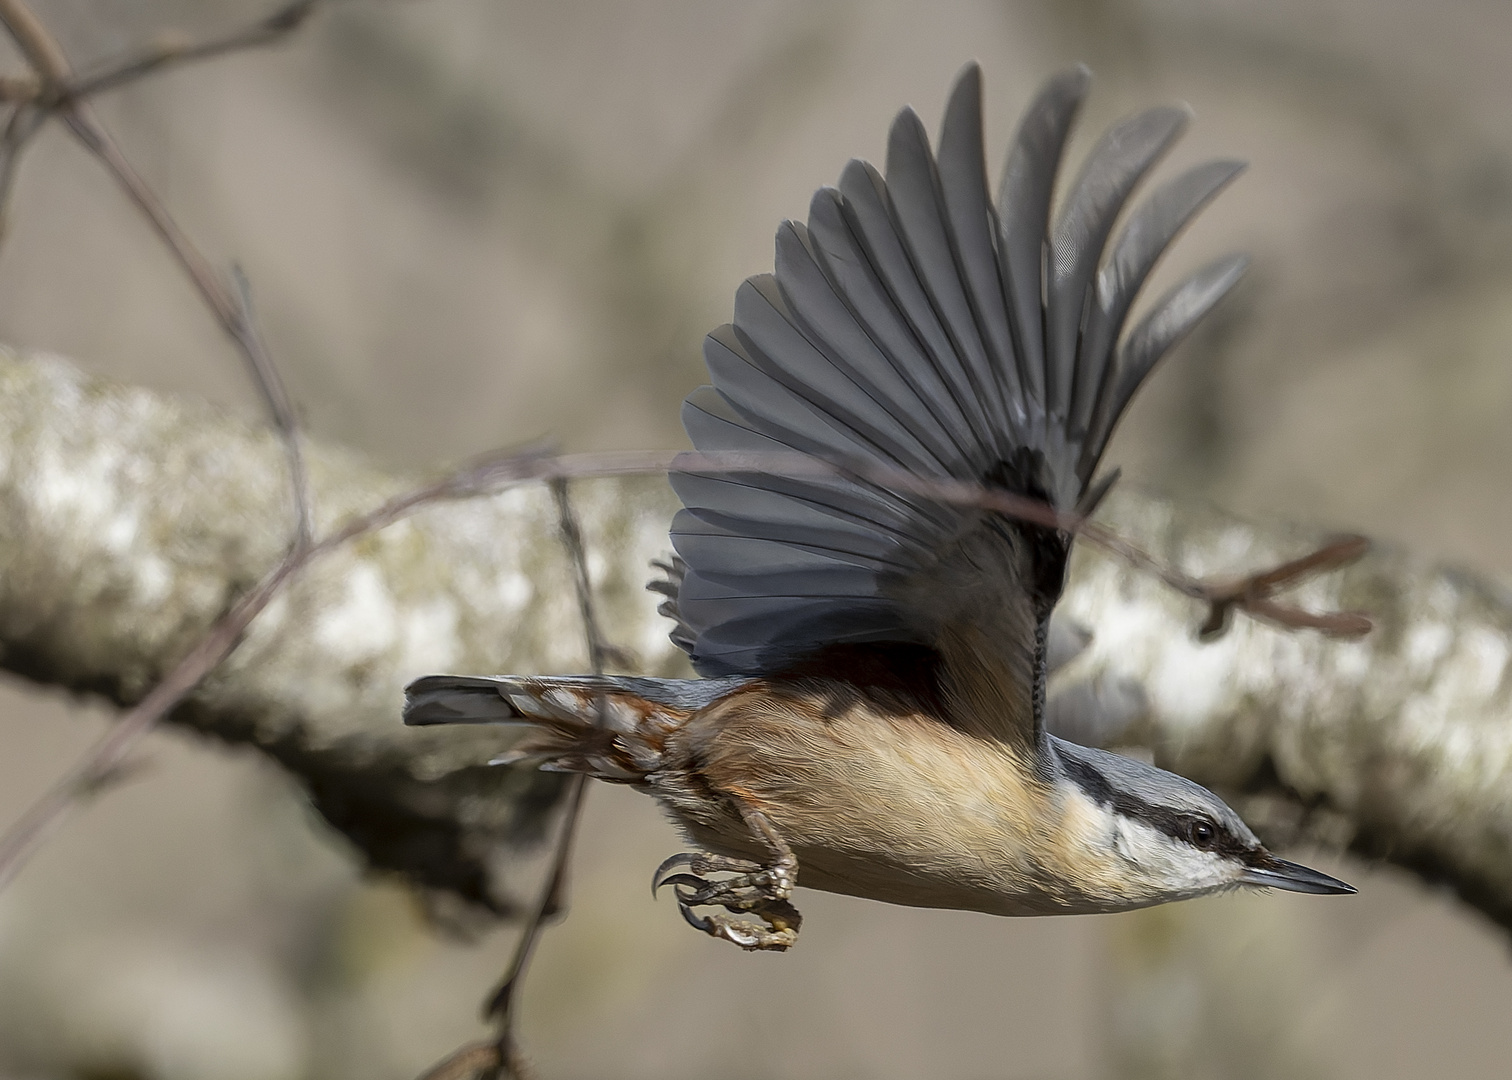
697, 922
684, 858
746, 935
752, 888
688, 881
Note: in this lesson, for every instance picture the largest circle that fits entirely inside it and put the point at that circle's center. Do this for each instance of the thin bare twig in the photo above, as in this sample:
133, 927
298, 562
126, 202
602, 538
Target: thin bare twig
231, 310
97, 141
500, 1004
572, 539
1251, 593
53, 83
471, 1060
108, 755
110, 752
49, 68
21, 89
501, 1056
117, 72
1254, 594
40, 48
24, 122
280, 405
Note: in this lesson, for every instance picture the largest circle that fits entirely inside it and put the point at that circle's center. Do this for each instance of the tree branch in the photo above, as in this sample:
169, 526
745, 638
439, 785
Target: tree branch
173, 50
128, 520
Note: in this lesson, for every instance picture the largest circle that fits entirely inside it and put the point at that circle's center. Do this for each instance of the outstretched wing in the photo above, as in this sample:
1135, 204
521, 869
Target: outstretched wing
912, 325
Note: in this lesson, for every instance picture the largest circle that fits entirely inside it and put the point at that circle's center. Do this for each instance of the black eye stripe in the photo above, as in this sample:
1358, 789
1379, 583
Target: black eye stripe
1177, 824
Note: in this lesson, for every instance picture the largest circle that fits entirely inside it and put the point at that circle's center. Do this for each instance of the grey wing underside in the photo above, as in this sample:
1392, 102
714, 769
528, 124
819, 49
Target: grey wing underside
913, 325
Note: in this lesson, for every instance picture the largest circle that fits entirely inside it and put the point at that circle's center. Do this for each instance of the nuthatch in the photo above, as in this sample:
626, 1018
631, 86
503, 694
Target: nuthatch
871, 712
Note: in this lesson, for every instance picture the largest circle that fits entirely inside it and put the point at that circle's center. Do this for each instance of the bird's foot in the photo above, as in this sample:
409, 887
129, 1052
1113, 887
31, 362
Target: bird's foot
777, 932
751, 881
752, 888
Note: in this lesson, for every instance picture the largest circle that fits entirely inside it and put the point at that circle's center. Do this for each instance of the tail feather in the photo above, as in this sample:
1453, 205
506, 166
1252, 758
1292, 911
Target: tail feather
613, 727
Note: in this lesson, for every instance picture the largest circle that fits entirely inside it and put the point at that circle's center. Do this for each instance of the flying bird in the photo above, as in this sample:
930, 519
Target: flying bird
870, 717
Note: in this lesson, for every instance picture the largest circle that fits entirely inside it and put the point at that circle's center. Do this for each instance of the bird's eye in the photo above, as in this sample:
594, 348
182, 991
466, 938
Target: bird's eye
1201, 833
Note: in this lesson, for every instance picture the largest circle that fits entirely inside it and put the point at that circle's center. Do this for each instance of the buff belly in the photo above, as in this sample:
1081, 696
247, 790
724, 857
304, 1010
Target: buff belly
896, 807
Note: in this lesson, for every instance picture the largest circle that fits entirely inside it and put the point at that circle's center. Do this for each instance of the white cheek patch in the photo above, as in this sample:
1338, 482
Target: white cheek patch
1123, 842
1146, 850
1151, 860
1173, 866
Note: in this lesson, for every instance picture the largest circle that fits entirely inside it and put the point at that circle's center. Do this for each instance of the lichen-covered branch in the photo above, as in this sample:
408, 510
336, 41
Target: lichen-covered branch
129, 520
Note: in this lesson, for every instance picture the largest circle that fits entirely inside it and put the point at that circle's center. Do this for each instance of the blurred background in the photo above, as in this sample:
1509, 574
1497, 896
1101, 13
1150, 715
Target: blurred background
475, 222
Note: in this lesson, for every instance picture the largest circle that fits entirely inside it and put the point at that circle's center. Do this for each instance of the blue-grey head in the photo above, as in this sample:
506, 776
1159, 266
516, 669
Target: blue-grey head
1168, 838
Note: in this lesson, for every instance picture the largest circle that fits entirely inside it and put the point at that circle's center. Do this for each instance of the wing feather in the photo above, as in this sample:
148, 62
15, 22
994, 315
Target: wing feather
848, 265
973, 224
1168, 322
779, 347
917, 205
1023, 210
1120, 160
1144, 239
911, 325
866, 198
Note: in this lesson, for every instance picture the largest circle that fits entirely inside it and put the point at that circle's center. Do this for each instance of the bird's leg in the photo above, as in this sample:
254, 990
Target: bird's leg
754, 888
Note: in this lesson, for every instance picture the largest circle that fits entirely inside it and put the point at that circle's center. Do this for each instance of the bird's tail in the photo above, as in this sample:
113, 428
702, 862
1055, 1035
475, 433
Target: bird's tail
612, 727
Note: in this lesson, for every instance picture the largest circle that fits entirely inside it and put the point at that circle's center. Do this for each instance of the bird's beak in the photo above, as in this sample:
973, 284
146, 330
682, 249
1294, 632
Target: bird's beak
1293, 877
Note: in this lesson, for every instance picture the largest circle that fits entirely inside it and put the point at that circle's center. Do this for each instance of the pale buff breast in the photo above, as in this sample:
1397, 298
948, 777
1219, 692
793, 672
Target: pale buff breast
883, 801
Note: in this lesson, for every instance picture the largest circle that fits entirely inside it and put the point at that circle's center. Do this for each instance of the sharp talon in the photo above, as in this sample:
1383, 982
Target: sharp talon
682, 859
747, 935
687, 881
697, 922
753, 937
